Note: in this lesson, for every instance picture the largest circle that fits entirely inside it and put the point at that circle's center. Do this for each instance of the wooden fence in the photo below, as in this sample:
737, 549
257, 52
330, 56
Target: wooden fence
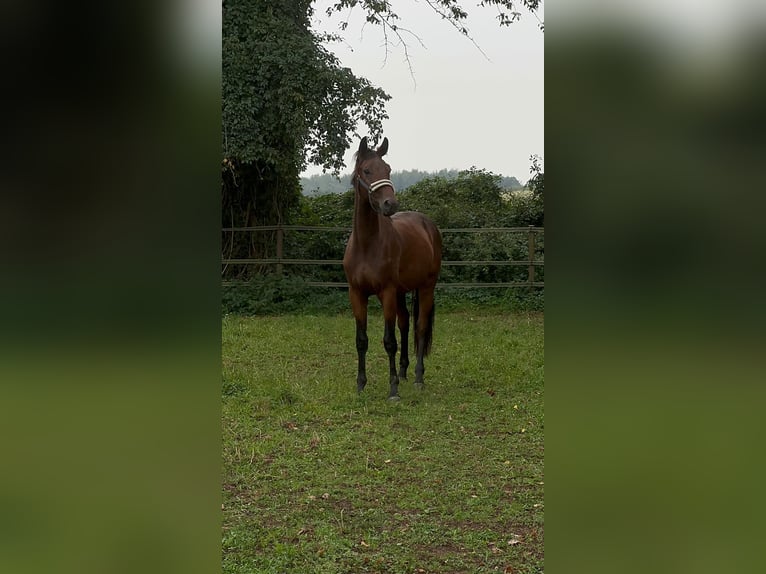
280, 261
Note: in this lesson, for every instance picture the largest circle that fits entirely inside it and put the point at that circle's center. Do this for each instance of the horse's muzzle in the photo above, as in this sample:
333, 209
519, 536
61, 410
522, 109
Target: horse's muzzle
389, 207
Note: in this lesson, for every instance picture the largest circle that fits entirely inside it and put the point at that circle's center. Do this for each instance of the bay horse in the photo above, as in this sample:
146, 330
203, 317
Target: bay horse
389, 254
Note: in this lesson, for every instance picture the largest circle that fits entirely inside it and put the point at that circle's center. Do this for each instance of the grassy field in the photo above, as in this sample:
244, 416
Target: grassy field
318, 479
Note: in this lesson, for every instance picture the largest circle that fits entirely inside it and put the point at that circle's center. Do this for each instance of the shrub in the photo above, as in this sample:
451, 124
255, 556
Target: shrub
272, 294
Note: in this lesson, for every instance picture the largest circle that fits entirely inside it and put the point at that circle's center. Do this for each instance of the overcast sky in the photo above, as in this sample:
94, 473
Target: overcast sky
462, 109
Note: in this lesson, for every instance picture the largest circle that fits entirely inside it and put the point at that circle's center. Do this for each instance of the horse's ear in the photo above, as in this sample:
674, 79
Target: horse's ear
362, 146
383, 147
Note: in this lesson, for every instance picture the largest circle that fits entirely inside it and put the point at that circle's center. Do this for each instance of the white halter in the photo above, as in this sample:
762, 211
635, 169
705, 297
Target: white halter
375, 185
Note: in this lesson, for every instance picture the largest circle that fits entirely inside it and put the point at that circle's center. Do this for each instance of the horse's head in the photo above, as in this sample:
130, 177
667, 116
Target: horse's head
372, 175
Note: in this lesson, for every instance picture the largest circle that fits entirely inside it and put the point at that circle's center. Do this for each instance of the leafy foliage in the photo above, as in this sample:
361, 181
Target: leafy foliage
381, 13
275, 295
286, 99
536, 185
475, 198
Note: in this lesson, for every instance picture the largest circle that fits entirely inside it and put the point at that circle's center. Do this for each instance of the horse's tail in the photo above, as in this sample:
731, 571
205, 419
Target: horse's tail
429, 332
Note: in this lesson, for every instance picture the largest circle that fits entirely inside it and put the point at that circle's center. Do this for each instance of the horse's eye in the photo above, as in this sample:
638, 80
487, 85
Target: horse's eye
366, 172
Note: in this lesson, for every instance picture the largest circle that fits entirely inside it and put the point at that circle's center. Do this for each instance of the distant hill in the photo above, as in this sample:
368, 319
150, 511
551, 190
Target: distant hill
323, 184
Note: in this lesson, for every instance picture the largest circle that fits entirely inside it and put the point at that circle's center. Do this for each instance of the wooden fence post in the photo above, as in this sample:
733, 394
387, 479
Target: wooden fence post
531, 249
280, 238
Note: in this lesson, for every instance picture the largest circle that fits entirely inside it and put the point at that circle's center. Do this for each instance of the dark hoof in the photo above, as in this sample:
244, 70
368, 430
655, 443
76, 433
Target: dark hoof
420, 386
395, 398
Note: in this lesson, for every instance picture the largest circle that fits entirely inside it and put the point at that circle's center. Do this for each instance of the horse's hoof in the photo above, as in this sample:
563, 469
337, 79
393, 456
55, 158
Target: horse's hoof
420, 386
395, 398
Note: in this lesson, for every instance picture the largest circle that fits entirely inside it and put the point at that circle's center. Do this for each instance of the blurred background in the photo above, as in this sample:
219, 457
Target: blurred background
655, 122
110, 414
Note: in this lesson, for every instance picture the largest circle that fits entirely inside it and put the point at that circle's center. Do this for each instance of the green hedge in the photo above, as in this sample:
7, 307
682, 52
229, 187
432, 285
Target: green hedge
274, 295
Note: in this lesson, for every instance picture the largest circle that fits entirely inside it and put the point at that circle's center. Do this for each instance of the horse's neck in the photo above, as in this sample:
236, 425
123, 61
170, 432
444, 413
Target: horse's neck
367, 226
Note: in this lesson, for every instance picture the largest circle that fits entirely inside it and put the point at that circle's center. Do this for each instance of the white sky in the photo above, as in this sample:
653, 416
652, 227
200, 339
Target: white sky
461, 109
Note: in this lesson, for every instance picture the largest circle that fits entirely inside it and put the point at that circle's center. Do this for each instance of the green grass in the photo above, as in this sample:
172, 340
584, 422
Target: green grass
318, 479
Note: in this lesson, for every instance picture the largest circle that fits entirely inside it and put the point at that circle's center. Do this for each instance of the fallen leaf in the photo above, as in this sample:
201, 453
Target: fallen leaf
326, 495
387, 461
363, 543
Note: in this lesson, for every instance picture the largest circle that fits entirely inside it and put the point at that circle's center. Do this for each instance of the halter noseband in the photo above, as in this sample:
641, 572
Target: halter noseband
375, 185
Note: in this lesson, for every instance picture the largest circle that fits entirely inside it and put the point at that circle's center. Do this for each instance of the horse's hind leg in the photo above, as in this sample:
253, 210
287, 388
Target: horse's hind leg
403, 316
424, 325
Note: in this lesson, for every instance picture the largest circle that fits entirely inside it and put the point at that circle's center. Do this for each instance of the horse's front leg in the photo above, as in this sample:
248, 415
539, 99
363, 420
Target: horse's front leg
388, 299
359, 308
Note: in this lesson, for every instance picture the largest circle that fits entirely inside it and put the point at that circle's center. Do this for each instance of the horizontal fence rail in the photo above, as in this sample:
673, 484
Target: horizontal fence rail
531, 262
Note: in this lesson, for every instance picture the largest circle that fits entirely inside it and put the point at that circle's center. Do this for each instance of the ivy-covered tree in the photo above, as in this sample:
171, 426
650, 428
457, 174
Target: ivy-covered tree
287, 101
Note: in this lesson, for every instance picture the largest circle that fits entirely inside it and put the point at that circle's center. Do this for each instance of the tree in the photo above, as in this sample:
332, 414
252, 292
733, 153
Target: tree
536, 185
382, 14
287, 101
